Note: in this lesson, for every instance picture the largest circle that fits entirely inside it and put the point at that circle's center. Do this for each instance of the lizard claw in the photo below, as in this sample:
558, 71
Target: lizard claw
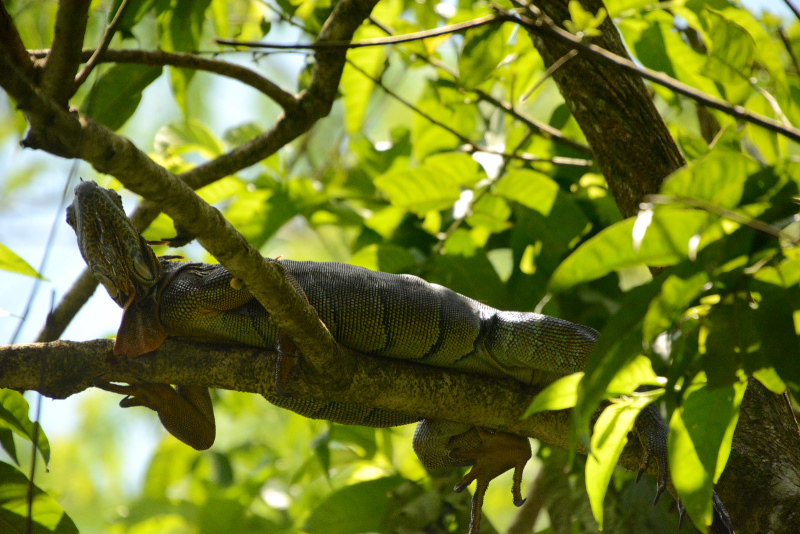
681, 514
497, 453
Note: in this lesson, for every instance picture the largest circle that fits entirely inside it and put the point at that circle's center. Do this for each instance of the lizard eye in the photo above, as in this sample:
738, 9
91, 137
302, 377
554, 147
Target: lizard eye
108, 284
141, 267
71, 216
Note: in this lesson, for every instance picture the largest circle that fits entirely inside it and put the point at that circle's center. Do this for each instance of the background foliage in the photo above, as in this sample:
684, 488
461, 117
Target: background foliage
394, 180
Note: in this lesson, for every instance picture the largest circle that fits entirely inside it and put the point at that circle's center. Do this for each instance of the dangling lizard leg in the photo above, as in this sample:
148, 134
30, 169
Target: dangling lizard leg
497, 453
652, 432
186, 411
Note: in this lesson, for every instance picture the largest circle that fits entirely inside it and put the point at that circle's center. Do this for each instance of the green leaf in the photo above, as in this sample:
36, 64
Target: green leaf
638, 372
386, 258
134, 13
699, 445
259, 214
608, 439
583, 21
559, 395
719, 178
731, 49
482, 52
7, 442
619, 343
239, 135
665, 242
188, 136
14, 416
181, 28
361, 507
436, 185
531, 189
117, 93
355, 86
11, 262
48, 517
677, 293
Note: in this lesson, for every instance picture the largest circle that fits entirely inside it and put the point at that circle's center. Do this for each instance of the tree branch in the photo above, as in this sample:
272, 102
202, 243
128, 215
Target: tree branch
12, 42
543, 26
418, 390
283, 98
416, 36
58, 77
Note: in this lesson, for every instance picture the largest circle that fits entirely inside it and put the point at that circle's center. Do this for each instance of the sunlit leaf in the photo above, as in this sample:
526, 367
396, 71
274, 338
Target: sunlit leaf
355, 85
48, 517
665, 243
14, 416
731, 48
13, 263
483, 50
608, 439
699, 444
559, 395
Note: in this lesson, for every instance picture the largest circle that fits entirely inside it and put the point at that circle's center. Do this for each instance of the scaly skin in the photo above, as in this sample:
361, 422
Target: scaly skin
379, 314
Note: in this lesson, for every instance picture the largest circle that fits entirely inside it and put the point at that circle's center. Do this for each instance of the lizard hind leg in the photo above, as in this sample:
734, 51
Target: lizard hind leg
444, 444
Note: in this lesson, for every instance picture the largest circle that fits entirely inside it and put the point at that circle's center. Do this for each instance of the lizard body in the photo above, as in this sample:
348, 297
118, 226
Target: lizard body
374, 313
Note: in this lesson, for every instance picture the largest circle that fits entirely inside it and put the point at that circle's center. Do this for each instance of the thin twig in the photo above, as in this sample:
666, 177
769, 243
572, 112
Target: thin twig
543, 26
793, 8
539, 127
788, 45
97, 56
381, 41
549, 72
724, 213
545, 130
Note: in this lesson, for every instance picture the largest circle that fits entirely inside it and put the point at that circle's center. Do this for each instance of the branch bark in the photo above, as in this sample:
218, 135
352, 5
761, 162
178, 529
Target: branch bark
420, 390
58, 77
283, 98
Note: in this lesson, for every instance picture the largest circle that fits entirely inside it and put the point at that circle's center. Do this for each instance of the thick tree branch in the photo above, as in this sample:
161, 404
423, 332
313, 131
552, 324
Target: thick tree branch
419, 390
12, 42
283, 98
58, 78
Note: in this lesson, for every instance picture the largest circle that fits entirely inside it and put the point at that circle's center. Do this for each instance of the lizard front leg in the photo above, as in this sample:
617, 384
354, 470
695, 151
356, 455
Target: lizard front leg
185, 411
444, 444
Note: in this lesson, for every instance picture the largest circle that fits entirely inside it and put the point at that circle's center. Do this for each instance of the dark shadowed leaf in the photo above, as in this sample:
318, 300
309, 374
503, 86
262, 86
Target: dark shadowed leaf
117, 93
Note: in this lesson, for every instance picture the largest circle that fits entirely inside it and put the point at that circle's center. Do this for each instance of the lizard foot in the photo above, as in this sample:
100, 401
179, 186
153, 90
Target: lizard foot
654, 444
186, 414
497, 453
152, 396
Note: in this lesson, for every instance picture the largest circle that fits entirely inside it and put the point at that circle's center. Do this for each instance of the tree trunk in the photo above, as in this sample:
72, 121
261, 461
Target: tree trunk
761, 483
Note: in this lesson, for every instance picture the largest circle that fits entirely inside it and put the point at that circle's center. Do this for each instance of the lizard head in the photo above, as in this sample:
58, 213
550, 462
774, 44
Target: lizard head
121, 260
